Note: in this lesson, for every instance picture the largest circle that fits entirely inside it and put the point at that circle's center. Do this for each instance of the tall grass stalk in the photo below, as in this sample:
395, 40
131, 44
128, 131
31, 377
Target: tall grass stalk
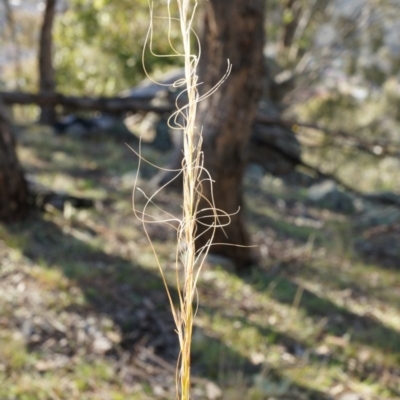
189, 260
191, 178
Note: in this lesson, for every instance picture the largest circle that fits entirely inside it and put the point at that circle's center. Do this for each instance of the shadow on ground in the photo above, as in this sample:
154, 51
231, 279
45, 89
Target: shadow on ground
363, 329
133, 297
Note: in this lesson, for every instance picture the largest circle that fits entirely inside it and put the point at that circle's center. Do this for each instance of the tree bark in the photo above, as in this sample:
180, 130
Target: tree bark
233, 29
47, 83
292, 7
14, 40
13, 188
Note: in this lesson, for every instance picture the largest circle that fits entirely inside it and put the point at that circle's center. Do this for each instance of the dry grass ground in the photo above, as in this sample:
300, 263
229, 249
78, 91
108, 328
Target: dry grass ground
84, 315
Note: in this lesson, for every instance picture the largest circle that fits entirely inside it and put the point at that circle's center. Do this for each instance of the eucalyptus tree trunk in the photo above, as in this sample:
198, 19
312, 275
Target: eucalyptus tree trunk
47, 82
292, 13
13, 187
14, 39
233, 30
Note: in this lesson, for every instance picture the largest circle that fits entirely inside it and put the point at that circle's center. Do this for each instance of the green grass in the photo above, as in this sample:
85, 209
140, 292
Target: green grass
315, 318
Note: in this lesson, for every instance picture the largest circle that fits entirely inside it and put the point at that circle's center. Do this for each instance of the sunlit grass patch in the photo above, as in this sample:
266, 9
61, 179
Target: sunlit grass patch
13, 355
49, 279
299, 340
315, 321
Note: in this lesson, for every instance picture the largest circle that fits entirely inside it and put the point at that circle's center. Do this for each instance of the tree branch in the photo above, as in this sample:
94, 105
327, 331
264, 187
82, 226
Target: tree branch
376, 148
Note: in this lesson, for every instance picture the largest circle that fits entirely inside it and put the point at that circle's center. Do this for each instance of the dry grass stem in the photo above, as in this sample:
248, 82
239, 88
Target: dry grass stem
194, 175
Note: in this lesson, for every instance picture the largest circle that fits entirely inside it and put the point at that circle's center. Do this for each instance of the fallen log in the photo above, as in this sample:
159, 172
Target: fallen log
107, 104
277, 138
133, 103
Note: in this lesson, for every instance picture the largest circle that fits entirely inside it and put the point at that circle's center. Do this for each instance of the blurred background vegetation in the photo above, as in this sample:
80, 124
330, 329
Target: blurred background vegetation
83, 311
340, 60
98, 45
